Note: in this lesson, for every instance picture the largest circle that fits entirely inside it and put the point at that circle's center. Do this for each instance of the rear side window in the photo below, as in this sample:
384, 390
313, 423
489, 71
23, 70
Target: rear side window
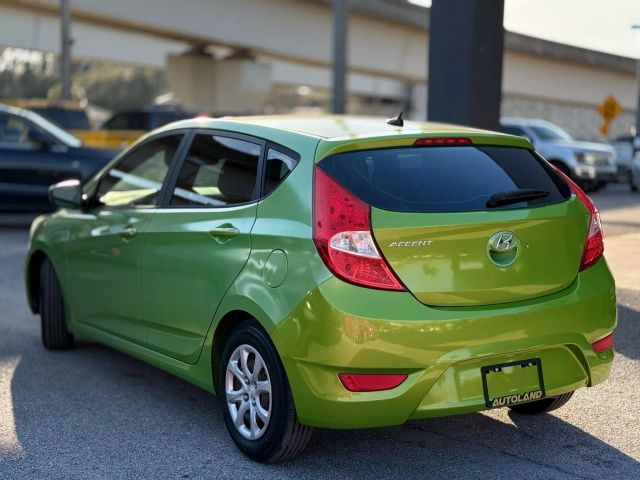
278, 166
444, 179
217, 171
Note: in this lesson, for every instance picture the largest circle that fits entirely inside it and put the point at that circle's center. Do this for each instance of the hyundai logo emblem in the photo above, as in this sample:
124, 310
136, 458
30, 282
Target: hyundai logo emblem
503, 241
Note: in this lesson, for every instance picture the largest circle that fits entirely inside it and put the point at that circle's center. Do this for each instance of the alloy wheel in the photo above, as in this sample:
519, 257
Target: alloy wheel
248, 392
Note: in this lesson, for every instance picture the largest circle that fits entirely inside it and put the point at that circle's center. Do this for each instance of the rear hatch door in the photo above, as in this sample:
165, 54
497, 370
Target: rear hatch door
468, 225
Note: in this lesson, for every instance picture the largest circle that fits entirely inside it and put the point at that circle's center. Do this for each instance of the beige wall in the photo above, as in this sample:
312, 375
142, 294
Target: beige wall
552, 79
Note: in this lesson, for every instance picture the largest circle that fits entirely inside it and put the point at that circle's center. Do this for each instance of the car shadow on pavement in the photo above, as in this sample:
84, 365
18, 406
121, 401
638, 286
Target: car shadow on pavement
93, 412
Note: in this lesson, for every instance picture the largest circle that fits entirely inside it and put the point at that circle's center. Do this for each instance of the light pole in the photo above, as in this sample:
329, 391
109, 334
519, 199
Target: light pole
65, 50
637, 27
339, 55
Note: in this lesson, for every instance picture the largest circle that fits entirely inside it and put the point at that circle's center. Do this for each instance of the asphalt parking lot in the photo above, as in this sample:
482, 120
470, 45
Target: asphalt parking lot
96, 413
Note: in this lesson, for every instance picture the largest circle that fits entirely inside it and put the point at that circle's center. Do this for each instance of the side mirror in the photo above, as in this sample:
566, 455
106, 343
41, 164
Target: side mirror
67, 194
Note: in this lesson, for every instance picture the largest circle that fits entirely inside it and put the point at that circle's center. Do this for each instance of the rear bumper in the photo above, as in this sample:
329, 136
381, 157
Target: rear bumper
343, 328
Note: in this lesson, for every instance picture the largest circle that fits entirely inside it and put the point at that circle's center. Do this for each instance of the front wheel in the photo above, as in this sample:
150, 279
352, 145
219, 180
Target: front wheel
256, 400
542, 406
55, 335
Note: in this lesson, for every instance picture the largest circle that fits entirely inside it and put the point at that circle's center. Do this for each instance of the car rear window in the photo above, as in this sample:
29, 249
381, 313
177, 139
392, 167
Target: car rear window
444, 179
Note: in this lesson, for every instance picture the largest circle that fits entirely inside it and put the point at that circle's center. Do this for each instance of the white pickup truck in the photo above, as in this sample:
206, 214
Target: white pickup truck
628, 159
592, 165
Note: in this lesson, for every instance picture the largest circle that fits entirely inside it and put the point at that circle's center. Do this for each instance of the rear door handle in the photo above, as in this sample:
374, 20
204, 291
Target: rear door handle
224, 232
128, 232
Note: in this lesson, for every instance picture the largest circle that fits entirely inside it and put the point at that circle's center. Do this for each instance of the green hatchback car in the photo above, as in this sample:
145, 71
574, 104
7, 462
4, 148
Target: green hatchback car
335, 272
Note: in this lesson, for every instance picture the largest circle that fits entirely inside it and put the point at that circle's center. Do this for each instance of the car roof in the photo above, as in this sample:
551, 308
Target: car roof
334, 127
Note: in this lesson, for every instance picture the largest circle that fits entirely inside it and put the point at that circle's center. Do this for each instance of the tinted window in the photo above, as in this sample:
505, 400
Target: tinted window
443, 179
128, 121
217, 171
14, 131
137, 178
511, 130
65, 118
17, 132
278, 166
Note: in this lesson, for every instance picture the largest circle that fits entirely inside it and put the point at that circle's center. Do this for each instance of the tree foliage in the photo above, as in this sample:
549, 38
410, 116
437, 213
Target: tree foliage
106, 84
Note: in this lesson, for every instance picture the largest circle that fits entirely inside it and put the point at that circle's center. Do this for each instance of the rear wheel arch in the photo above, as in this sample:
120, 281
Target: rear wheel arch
227, 324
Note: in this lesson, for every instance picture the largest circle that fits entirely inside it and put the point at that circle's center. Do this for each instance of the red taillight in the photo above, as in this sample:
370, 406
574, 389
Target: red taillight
603, 344
442, 141
594, 245
371, 382
342, 234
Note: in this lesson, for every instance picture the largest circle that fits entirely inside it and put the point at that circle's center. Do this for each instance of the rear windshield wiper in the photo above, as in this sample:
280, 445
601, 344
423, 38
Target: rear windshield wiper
514, 196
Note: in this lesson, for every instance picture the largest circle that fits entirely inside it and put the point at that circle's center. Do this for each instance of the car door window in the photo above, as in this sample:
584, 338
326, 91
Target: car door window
16, 132
137, 178
278, 166
217, 171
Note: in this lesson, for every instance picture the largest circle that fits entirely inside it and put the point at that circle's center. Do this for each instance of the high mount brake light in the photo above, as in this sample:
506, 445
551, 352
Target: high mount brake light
594, 245
343, 237
442, 141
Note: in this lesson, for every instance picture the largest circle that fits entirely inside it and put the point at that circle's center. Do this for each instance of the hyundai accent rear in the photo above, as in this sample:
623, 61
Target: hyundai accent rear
467, 274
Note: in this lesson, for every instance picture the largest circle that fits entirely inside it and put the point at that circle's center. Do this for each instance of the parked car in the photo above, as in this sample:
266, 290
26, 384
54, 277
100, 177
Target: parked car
626, 146
68, 115
335, 272
34, 154
591, 165
635, 172
125, 127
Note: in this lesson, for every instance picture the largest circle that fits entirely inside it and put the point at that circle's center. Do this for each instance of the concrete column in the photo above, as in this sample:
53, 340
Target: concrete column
232, 86
466, 43
192, 79
418, 109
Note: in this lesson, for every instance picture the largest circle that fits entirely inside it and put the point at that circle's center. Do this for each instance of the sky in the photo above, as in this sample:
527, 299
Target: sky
603, 25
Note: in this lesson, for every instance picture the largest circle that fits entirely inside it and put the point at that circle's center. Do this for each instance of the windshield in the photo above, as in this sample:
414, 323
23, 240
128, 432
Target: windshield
52, 129
550, 132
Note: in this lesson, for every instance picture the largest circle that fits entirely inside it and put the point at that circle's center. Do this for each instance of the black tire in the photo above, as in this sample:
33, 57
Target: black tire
285, 437
55, 335
632, 185
542, 406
